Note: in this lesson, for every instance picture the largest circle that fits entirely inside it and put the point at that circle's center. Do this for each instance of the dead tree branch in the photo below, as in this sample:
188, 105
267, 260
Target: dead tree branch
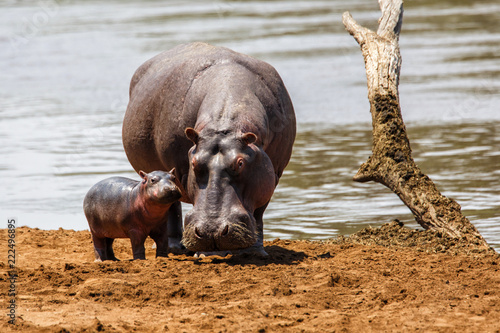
391, 163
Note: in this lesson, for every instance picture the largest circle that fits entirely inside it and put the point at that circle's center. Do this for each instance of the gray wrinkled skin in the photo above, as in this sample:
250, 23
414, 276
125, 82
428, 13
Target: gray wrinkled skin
225, 121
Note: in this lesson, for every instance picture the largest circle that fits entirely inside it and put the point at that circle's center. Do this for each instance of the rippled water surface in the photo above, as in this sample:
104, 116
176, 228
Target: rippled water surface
66, 66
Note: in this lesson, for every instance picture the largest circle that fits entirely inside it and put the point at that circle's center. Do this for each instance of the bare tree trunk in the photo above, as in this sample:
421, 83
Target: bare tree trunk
391, 163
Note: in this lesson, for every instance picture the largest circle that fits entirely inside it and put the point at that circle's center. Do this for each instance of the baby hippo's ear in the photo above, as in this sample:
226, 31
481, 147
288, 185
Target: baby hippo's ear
172, 173
144, 176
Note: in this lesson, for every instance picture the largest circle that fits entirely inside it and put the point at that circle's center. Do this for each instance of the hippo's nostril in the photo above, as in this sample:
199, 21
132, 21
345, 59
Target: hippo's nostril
225, 231
197, 233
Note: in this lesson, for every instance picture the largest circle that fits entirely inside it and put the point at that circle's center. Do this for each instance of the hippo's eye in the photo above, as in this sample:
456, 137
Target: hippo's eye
238, 165
195, 164
154, 180
199, 168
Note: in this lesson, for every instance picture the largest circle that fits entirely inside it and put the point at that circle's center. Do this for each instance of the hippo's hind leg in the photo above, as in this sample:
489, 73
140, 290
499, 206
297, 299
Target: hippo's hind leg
109, 249
99, 248
103, 249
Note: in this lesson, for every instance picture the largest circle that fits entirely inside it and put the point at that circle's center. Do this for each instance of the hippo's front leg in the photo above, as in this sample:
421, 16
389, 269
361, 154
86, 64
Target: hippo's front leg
174, 226
258, 247
137, 239
160, 236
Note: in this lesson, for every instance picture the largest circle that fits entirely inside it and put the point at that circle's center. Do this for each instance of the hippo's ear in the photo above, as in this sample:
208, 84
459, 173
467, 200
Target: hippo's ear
192, 135
144, 176
249, 138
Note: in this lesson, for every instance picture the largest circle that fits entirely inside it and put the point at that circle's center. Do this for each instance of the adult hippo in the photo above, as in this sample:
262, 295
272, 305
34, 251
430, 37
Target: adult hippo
226, 123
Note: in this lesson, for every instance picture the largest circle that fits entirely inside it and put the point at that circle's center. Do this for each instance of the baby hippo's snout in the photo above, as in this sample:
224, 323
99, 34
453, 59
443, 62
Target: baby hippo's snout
161, 186
169, 193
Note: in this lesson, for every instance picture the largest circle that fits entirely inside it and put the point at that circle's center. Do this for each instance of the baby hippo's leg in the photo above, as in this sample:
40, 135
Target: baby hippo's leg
109, 249
160, 236
99, 248
103, 248
168, 234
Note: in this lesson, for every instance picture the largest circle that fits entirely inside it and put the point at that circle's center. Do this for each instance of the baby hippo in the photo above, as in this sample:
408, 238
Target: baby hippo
119, 207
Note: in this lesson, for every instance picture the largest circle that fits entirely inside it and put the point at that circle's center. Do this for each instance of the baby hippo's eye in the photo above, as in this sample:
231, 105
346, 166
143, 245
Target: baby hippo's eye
154, 180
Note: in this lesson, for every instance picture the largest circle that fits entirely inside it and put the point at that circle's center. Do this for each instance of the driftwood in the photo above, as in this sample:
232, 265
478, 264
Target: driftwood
391, 163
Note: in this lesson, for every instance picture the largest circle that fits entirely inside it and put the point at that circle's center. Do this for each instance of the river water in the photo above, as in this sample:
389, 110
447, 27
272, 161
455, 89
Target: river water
66, 66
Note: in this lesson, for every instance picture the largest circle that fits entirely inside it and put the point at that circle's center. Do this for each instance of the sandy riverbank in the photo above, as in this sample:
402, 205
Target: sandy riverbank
413, 280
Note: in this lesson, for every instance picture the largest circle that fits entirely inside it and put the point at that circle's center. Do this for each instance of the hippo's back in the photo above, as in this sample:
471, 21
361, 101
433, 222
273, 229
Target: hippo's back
166, 94
108, 198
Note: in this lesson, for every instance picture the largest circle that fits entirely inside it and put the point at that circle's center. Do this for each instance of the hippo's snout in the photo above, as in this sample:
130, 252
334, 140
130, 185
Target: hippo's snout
204, 235
201, 235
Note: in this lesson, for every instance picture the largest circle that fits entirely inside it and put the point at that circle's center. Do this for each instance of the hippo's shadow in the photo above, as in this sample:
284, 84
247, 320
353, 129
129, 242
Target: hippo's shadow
277, 255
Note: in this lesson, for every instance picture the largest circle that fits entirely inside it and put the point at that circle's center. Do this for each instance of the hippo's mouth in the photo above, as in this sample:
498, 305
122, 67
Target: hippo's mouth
232, 237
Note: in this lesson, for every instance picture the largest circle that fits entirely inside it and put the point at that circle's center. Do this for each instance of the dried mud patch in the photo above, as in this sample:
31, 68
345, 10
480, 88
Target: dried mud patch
394, 234
384, 279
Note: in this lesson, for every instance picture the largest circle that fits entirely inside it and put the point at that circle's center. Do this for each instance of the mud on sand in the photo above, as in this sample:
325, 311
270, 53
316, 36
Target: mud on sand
385, 279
